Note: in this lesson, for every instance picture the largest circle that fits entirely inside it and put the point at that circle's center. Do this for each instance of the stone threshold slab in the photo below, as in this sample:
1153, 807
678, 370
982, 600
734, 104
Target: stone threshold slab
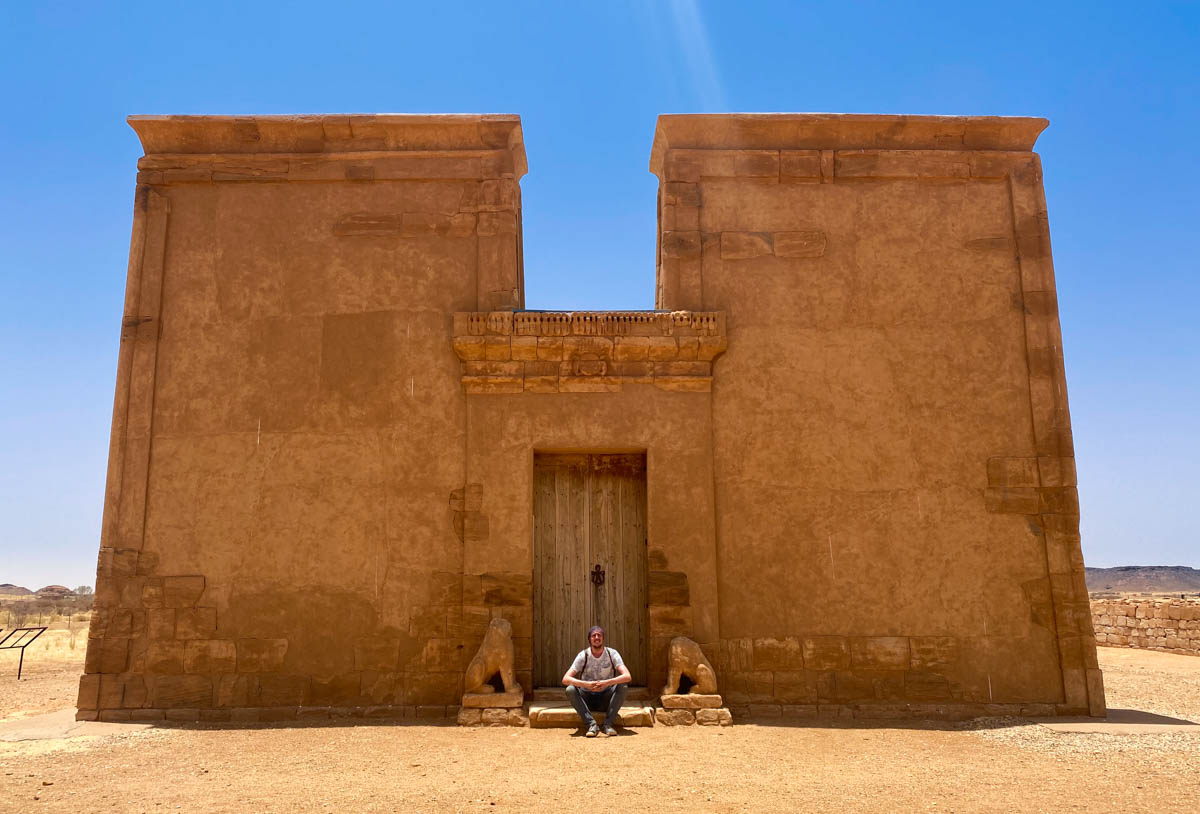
563, 716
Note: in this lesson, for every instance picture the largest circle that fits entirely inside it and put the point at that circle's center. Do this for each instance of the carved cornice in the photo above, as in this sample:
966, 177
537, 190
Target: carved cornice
364, 137
587, 351
831, 131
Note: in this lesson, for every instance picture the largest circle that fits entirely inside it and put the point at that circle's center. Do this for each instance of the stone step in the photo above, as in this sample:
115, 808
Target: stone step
554, 695
563, 716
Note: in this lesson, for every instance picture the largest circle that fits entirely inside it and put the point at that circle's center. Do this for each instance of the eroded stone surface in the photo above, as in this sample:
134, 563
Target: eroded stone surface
691, 701
343, 381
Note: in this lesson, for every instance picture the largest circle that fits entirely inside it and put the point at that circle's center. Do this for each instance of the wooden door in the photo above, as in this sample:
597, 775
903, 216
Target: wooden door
588, 510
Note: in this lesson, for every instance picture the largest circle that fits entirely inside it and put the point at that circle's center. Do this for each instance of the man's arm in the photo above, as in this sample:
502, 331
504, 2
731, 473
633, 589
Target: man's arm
622, 677
569, 677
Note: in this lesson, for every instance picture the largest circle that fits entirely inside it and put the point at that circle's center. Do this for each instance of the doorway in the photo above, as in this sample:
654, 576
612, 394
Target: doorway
589, 549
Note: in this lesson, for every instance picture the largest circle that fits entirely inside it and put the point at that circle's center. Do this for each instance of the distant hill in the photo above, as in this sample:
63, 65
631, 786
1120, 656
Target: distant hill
7, 589
1150, 578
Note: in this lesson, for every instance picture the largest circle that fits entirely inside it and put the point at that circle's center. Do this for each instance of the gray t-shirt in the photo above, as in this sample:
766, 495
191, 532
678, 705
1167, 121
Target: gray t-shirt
589, 668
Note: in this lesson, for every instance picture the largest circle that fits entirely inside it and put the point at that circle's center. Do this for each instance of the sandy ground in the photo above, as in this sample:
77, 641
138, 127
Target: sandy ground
996, 765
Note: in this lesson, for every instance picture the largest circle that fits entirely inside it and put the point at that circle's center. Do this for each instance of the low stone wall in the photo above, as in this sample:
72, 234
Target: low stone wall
1172, 625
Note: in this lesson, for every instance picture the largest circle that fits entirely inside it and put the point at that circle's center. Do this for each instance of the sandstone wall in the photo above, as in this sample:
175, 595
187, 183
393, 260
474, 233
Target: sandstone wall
284, 517
897, 518
329, 399
1172, 625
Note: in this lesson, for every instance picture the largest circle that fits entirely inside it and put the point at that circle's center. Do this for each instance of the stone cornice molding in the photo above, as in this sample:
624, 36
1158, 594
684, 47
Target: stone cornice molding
332, 134
587, 351
830, 131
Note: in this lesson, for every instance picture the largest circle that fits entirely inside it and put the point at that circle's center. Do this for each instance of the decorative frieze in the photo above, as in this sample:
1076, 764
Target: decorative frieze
587, 351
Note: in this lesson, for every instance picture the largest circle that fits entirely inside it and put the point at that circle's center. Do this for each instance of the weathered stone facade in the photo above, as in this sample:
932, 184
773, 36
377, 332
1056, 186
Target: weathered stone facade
859, 477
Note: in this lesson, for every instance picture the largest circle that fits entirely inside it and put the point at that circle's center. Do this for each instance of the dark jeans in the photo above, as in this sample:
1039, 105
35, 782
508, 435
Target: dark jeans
608, 701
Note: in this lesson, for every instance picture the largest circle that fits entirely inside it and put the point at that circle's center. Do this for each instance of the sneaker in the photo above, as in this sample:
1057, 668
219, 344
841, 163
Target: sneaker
592, 732
609, 730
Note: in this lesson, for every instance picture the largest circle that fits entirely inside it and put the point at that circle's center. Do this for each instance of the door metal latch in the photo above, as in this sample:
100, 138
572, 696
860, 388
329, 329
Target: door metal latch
597, 575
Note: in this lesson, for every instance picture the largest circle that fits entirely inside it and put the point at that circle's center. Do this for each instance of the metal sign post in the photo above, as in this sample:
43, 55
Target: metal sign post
18, 639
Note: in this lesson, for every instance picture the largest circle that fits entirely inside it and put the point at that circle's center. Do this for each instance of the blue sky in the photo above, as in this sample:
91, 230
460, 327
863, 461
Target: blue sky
1121, 89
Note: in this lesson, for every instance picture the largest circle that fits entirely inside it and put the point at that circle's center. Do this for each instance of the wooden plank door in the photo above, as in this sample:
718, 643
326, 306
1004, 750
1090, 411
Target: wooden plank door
588, 510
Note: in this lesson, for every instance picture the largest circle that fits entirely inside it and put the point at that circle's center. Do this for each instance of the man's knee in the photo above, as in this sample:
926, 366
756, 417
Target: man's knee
572, 691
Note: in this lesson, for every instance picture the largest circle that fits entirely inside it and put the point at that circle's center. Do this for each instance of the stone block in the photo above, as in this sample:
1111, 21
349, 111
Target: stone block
160, 623
107, 655
1057, 471
469, 716
635, 716
745, 245
181, 691
1059, 500
195, 623
778, 654
152, 715
766, 711
1012, 500
430, 712
495, 349
800, 166
631, 348
525, 348
880, 652
261, 655
210, 656
433, 688
504, 717
278, 714
798, 710
470, 348
281, 690
926, 686
681, 244
496, 700
550, 348
88, 696
670, 620
762, 164
932, 652
674, 717
691, 701
326, 691
669, 588
826, 653
801, 244
182, 591
166, 656
797, 686
748, 687
714, 717
116, 716
443, 656
469, 622
1012, 472
425, 622
662, 348
501, 588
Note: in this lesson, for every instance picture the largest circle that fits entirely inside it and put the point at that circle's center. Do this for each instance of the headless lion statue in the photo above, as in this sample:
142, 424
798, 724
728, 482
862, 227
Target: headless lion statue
685, 658
495, 655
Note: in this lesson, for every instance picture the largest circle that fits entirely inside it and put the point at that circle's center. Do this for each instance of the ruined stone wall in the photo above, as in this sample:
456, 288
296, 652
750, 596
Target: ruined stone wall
287, 501
895, 488
1172, 625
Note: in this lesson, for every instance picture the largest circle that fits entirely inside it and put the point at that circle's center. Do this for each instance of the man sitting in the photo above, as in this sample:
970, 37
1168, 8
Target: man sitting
598, 680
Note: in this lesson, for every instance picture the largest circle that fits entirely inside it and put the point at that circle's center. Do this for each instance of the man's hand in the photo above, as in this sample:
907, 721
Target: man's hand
596, 686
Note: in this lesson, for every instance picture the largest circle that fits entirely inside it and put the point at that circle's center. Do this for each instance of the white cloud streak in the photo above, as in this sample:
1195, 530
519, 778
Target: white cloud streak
693, 42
